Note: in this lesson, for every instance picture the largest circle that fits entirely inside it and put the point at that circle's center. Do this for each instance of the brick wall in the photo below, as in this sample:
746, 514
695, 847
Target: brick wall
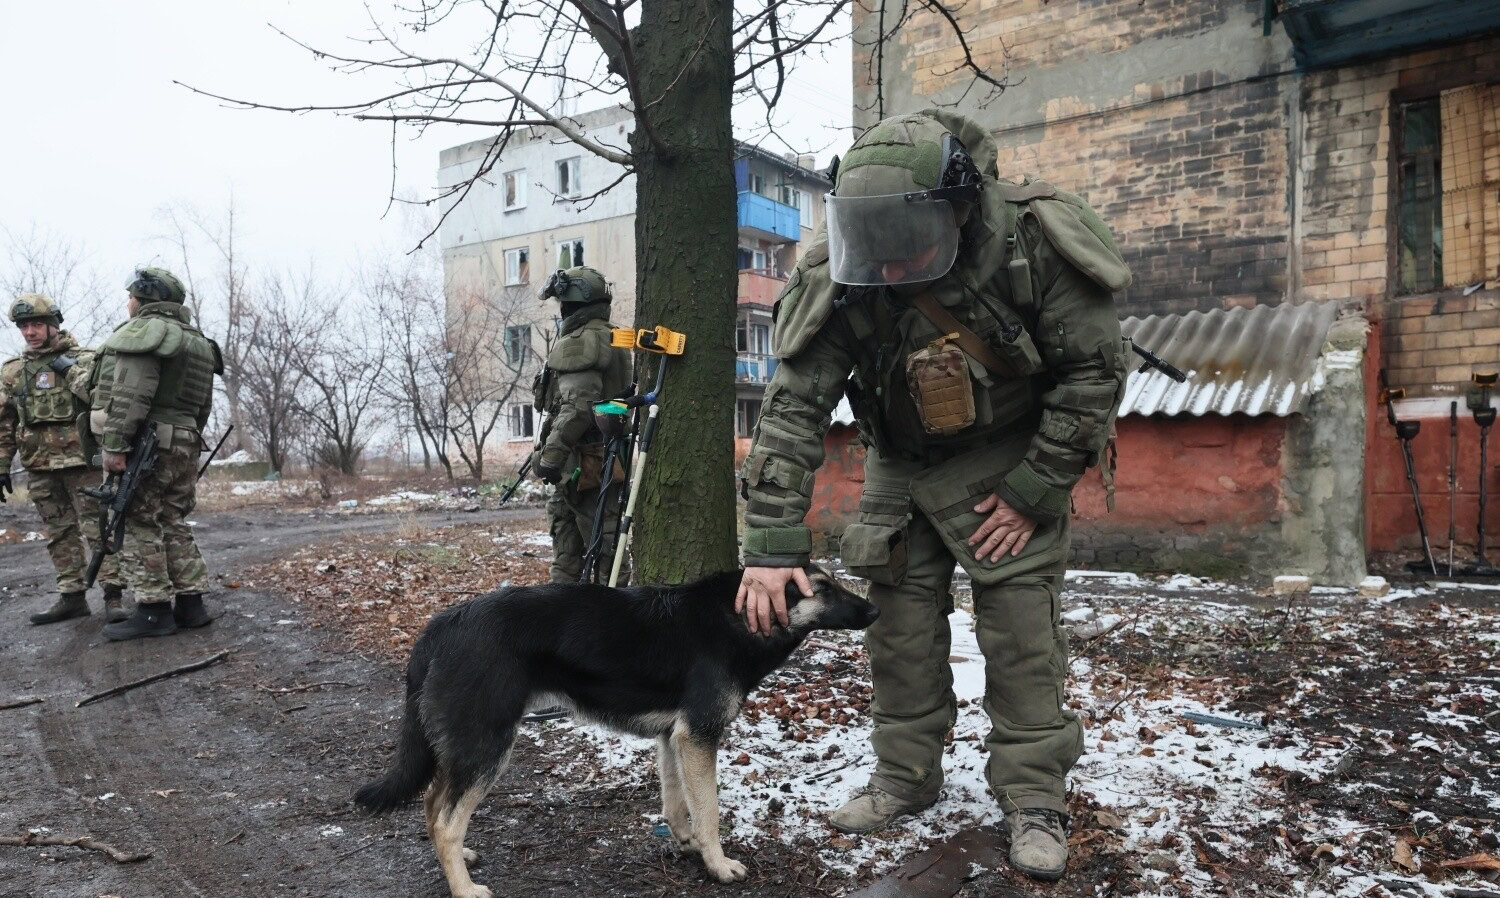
1431, 342
1195, 189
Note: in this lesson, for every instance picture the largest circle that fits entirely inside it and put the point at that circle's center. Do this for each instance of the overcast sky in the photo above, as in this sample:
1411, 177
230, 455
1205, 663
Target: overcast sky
97, 137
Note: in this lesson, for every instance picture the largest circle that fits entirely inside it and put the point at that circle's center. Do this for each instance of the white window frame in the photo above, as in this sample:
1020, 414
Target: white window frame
568, 171
519, 412
804, 206
513, 189
575, 245
513, 262
758, 183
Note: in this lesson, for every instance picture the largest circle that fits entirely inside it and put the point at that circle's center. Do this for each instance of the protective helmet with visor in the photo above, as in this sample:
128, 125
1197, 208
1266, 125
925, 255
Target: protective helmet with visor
576, 285
895, 212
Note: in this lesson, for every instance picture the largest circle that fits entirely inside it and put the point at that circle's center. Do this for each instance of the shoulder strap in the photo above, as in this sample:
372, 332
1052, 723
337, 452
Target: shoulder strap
968, 341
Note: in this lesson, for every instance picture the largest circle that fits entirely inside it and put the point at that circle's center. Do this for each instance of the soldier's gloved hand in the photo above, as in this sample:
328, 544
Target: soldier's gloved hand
116, 462
62, 363
548, 474
5, 486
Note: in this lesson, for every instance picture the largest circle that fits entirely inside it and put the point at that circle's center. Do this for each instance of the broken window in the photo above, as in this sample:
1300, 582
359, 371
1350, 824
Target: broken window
747, 412
520, 421
570, 253
517, 267
517, 342
514, 183
567, 177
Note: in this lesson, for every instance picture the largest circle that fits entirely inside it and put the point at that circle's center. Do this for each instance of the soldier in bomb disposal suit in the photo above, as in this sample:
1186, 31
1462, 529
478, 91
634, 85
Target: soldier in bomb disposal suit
157, 370
583, 368
42, 393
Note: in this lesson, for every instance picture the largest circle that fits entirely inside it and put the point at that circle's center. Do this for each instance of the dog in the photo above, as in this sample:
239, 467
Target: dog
670, 663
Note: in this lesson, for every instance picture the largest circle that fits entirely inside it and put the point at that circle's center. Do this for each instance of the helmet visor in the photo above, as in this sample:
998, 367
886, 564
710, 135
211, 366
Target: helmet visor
891, 239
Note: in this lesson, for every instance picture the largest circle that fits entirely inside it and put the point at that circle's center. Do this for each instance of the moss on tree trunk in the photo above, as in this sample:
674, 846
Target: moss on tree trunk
686, 235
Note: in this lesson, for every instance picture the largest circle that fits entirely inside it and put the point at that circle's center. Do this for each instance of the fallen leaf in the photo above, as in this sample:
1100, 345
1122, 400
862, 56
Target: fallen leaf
1479, 861
1327, 848
1401, 856
164, 793
742, 760
1108, 820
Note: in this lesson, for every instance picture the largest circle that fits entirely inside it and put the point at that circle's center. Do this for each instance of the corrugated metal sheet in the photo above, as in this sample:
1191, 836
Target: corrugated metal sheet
1256, 361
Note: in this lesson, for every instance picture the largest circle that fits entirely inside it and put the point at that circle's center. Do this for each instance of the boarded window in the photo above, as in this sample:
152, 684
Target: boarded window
1471, 186
1449, 214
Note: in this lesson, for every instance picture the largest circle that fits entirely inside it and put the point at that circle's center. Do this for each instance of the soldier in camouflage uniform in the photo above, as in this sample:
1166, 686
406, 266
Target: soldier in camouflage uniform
157, 370
582, 369
42, 394
976, 315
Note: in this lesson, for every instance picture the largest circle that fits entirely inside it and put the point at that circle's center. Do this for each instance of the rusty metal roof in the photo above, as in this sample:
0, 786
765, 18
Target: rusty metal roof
1263, 360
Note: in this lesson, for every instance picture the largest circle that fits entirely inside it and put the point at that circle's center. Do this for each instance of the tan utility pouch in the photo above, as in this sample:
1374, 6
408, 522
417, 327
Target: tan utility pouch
591, 468
938, 377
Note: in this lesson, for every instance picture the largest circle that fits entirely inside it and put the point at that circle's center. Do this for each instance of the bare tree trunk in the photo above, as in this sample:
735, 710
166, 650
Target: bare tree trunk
685, 522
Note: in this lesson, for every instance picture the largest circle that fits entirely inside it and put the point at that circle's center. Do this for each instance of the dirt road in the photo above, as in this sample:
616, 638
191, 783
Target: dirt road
234, 788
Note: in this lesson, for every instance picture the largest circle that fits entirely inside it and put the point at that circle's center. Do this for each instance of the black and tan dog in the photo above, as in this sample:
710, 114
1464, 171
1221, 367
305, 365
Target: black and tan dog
674, 663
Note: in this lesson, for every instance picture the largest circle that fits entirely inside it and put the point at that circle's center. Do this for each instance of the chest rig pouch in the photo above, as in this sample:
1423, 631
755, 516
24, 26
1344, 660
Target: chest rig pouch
938, 377
46, 398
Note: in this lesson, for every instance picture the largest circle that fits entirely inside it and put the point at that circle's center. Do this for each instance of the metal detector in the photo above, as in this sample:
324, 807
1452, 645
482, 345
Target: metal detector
1406, 431
1478, 400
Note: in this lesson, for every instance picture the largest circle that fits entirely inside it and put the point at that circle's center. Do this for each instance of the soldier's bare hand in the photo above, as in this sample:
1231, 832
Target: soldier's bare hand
1005, 530
115, 462
762, 594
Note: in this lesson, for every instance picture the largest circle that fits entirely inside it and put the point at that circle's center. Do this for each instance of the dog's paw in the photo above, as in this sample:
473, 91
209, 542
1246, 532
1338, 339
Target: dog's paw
471, 857
475, 890
726, 870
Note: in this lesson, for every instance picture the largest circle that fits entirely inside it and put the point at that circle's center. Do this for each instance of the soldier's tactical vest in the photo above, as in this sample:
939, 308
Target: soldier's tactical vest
187, 381
588, 347
45, 397
189, 361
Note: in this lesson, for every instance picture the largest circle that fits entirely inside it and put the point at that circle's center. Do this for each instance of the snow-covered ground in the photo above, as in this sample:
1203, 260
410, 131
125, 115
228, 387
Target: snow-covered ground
1189, 803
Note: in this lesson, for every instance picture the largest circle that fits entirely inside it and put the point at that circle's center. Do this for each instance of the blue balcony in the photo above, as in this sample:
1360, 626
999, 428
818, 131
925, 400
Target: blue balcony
766, 219
754, 368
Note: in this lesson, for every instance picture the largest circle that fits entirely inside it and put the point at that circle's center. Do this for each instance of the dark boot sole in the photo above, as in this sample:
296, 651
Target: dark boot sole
42, 622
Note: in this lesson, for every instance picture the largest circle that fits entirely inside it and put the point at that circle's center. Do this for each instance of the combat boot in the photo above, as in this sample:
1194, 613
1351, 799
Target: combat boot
150, 619
873, 808
190, 612
1038, 842
68, 606
114, 604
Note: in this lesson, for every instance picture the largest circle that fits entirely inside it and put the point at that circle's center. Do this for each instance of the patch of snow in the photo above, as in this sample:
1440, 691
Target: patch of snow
32, 536
330, 831
402, 496
1110, 578
241, 457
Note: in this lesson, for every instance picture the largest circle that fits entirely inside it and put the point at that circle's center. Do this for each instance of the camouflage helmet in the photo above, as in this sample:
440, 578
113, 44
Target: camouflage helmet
581, 284
900, 196
35, 307
156, 285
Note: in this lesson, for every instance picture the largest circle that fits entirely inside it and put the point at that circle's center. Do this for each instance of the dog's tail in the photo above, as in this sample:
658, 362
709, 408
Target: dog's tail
414, 764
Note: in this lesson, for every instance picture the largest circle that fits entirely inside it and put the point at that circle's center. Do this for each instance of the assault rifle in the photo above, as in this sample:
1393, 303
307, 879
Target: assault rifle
116, 495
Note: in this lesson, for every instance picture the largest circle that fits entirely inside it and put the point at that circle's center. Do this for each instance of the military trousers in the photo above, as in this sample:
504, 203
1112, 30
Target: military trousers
570, 516
1033, 741
160, 559
71, 521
